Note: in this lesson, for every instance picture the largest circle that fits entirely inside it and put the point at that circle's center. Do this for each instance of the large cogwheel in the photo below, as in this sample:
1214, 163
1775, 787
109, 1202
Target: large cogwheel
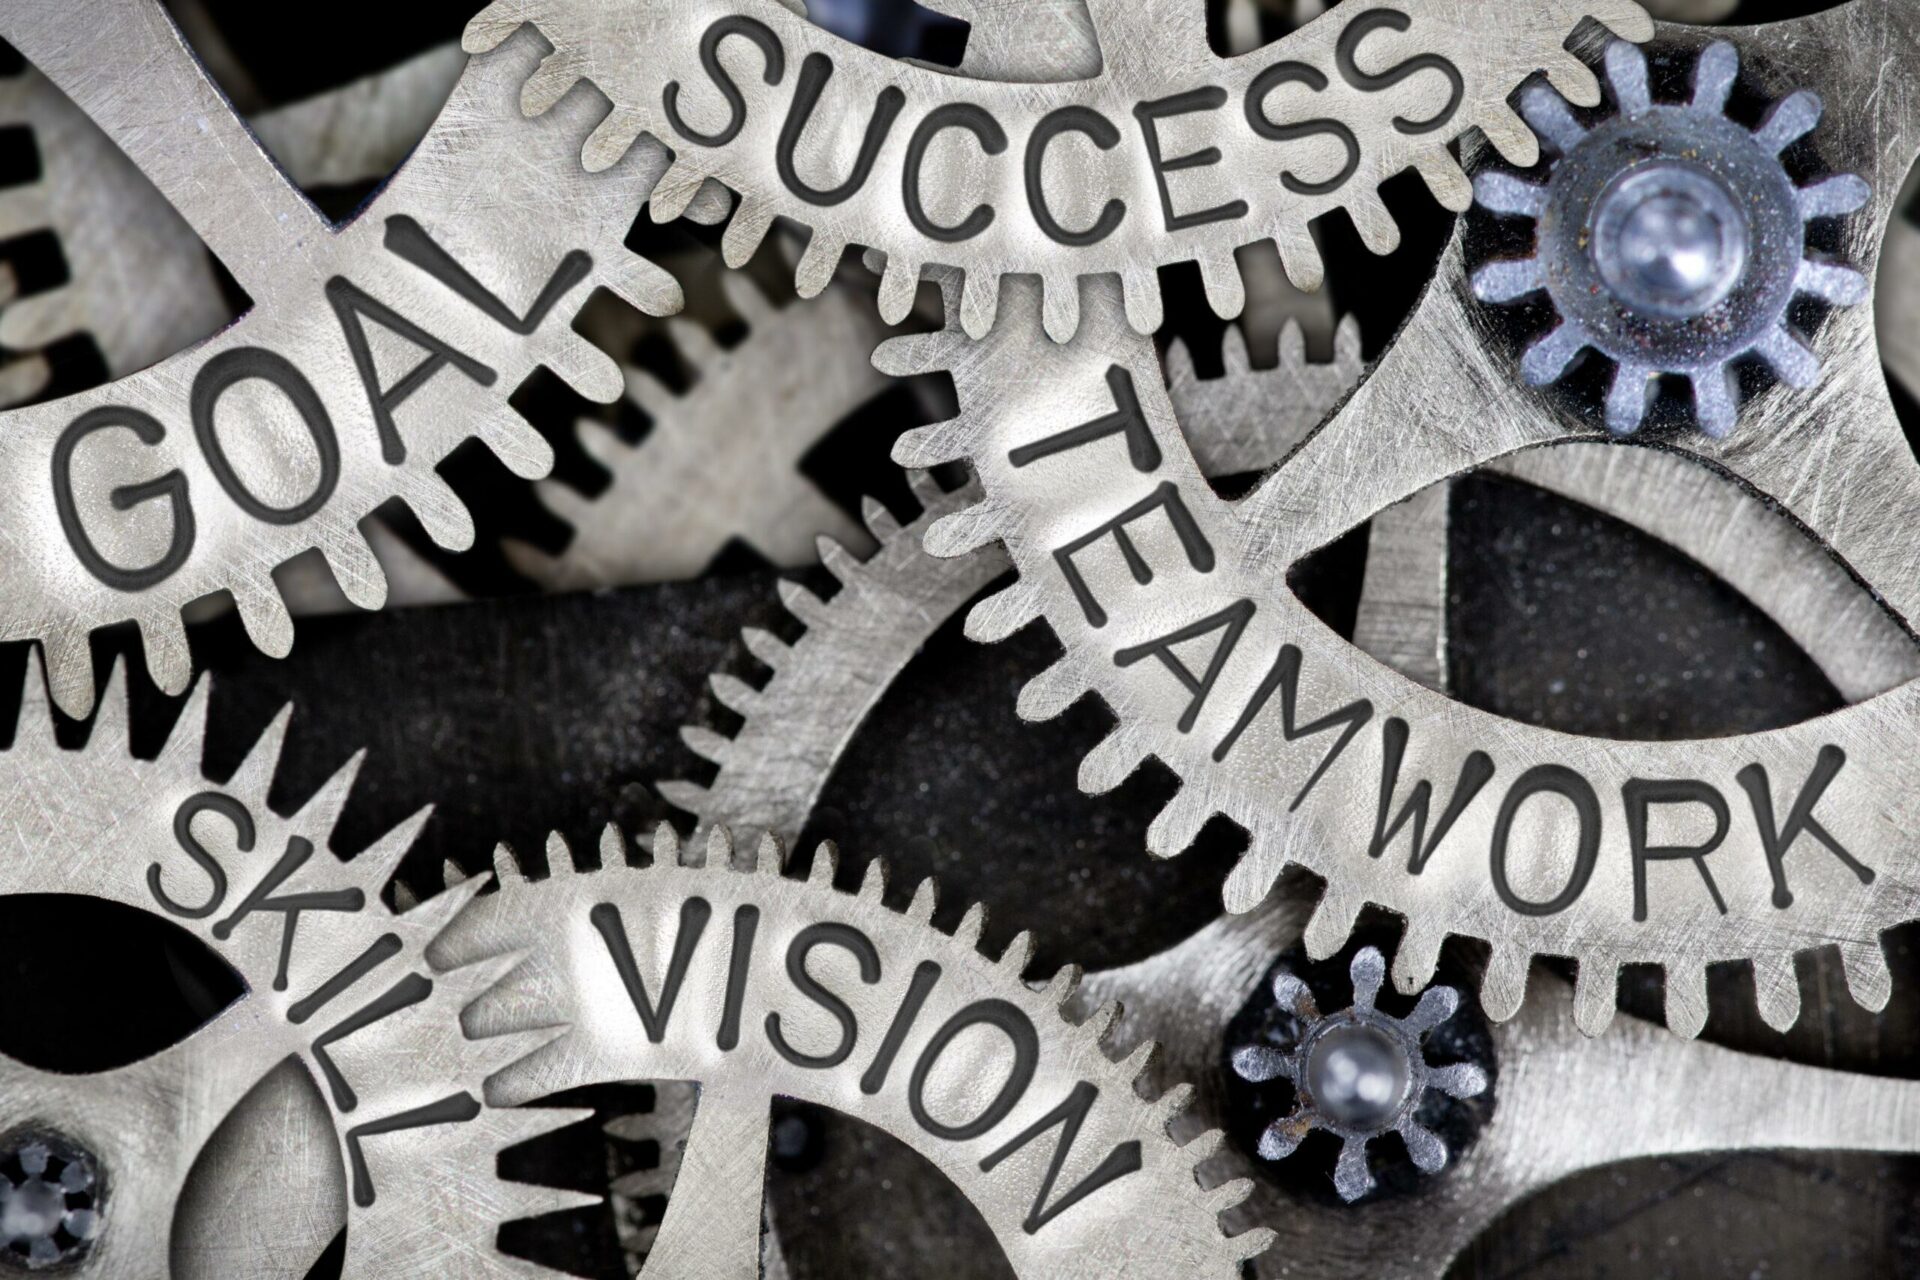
711, 966
372, 349
1170, 602
1170, 153
95, 1164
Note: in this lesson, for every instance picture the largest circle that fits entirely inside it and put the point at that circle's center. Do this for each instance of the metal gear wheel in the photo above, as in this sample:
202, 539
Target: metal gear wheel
1021, 1108
1180, 623
1671, 239
371, 351
335, 980
1389, 89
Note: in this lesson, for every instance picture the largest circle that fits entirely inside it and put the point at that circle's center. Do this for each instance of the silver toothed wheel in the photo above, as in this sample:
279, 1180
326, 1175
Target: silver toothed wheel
1670, 239
1358, 1073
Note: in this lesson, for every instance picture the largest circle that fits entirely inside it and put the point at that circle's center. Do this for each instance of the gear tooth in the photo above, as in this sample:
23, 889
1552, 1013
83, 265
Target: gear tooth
879, 521
1832, 281
452, 874
1509, 135
695, 345
1686, 999
930, 446
163, 636
359, 575
321, 812
710, 204
1300, 257
1547, 359
1505, 193
681, 794
1459, 1080
1253, 877
674, 191
1792, 118
747, 300
1428, 1152
404, 898
1172, 1104
36, 708
1865, 964
1595, 991
110, 721
1791, 359
916, 353
707, 744
1219, 1199
376, 865
968, 530
733, 693
1626, 72
666, 845
1627, 399
818, 263
826, 863
1051, 692
1249, 1245
590, 371
1351, 1177
926, 489
1715, 402
1061, 306
979, 302
1508, 280
1776, 985
1368, 970
1843, 193
1003, 613
613, 847
1346, 348
186, 742
1220, 281
1378, 231
1101, 1022
840, 562
972, 925
1018, 955
1331, 923
809, 608
1111, 762
1179, 821
264, 614
1547, 113
1713, 75
1204, 1147
1416, 958
765, 646
1139, 1061
557, 73
873, 881
769, 855
1446, 179
898, 284
1437, 1004
1179, 361
23, 378
745, 233
1140, 296
925, 894
559, 856
1504, 988
506, 865
1063, 984
719, 850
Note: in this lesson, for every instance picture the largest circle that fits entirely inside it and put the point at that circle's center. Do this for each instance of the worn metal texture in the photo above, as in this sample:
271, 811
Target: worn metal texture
1568, 883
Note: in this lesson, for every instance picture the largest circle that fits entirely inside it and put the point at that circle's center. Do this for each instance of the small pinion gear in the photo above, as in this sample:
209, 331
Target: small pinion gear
1358, 1073
1670, 239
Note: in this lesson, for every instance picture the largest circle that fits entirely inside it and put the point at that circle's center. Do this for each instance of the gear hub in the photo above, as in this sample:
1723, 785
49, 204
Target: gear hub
1670, 239
49, 1201
1358, 1073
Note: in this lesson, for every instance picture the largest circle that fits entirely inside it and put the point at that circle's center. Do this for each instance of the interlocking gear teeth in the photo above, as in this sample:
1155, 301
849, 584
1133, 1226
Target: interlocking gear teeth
633, 53
1139, 1211
152, 563
1376, 1088
350, 994
1670, 239
671, 506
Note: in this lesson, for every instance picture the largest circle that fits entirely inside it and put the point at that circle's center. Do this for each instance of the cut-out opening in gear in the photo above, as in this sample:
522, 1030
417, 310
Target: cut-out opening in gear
1684, 654
262, 1188
1251, 1107
1561, 352
946, 778
1754, 1213
92, 985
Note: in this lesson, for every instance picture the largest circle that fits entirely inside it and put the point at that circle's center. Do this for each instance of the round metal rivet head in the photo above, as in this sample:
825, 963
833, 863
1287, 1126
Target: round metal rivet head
1669, 240
49, 1201
1357, 1075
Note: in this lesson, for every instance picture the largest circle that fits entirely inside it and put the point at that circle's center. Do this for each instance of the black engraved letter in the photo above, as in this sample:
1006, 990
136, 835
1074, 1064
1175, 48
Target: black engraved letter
1234, 618
350, 303
1392, 19
1211, 98
815, 71
230, 809
1639, 795
1475, 770
1799, 819
1199, 550
710, 60
1299, 73
172, 486
1070, 1114
1560, 781
240, 365
1018, 1029
993, 141
1064, 120
1284, 675
1126, 419
694, 913
815, 935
